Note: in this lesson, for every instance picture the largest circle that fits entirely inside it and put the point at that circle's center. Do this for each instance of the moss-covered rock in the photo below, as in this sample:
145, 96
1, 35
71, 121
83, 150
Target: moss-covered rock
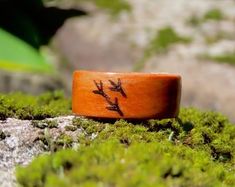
213, 14
24, 106
195, 150
228, 58
42, 124
113, 7
160, 43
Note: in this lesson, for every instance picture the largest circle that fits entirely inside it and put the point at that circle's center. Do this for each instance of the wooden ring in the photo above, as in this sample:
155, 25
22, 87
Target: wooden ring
126, 95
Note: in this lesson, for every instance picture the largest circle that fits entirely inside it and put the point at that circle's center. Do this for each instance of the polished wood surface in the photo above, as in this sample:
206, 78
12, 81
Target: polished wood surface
126, 95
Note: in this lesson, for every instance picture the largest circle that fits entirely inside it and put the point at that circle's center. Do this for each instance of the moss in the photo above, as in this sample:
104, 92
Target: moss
70, 128
24, 106
160, 43
212, 14
44, 124
228, 58
46, 140
88, 125
221, 35
64, 141
52, 143
194, 150
113, 7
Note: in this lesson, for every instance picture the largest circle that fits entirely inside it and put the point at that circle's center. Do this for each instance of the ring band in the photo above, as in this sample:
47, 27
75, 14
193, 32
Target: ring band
126, 95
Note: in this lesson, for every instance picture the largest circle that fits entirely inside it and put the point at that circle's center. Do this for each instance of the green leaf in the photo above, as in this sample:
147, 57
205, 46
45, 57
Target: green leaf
16, 55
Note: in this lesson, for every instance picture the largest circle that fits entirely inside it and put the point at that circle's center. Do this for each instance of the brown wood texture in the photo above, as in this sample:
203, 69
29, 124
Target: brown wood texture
126, 95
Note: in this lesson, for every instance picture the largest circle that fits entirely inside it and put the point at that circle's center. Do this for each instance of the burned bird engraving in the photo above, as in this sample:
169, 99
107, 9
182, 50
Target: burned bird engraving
117, 87
112, 106
100, 89
115, 107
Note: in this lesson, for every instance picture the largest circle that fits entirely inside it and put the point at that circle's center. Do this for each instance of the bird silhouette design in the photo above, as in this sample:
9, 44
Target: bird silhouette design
112, 105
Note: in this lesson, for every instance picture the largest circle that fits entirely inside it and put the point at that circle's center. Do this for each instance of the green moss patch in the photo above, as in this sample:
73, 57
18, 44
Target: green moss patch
228, 58
213, 14
195, 150
164, 38
24, 106
160, 43
42, 124
114, 7
220, 35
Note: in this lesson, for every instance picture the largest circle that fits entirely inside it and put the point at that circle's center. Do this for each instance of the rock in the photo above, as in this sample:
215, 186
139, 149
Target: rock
28, 82
22, 145
95, 44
